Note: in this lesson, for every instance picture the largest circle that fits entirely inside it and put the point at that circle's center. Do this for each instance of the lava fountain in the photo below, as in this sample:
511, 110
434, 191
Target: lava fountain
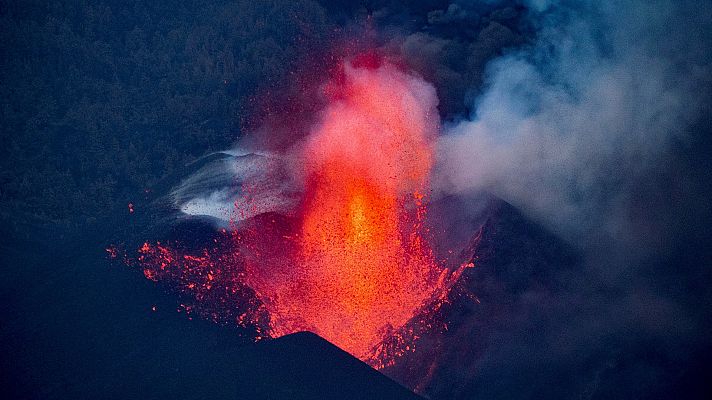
354, 263
363, 267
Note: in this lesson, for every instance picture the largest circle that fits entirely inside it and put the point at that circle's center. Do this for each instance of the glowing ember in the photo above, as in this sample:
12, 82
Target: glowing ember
354, 264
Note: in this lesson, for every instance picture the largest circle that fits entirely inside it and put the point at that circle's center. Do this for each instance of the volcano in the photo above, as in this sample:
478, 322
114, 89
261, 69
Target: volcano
330, 236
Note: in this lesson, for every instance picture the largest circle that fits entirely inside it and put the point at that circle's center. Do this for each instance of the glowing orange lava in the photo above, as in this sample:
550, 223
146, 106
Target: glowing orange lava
363, 267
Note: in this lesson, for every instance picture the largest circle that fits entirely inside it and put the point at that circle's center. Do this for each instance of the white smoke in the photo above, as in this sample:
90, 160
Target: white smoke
567, 126
235, 186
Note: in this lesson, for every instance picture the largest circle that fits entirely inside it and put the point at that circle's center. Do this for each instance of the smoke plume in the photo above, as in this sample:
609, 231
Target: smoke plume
592, 118
569, 127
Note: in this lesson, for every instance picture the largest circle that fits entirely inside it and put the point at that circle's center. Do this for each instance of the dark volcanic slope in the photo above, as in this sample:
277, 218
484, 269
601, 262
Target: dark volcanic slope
545, 324
74, 326
304, 365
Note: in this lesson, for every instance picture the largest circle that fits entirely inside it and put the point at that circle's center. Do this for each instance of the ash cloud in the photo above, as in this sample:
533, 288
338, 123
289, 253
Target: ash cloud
571, 127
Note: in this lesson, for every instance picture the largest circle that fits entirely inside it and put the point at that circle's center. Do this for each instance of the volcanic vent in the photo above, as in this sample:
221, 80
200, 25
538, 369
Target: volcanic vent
352, 261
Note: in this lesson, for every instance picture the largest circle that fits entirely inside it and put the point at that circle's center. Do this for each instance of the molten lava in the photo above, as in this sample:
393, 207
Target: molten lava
364, 267
354, 265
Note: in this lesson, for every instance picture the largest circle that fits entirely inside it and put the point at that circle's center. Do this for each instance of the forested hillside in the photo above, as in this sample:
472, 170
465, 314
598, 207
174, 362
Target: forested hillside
100, 99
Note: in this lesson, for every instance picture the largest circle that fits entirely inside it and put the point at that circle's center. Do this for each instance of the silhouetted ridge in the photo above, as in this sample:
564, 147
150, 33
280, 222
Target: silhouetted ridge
303, 365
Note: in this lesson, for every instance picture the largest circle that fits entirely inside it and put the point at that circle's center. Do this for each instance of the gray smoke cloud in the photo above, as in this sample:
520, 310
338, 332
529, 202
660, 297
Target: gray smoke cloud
597, 128
568, 127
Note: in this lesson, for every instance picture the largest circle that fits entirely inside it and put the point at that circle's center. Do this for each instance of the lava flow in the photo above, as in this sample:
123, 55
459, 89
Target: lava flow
354, 263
